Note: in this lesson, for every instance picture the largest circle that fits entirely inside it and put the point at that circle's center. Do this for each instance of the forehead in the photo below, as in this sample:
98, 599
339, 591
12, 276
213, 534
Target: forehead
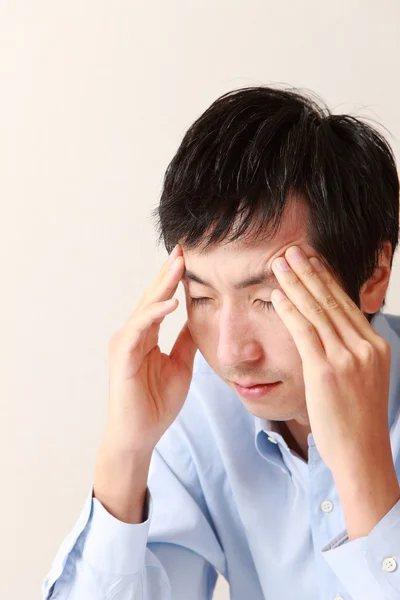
239, 261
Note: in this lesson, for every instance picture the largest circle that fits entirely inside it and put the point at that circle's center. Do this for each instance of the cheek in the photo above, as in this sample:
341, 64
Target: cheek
283, 350
278, 345
203, 331
279, 334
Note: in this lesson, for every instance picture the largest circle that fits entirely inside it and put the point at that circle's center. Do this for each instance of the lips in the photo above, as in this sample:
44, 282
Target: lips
256, 391
251, 384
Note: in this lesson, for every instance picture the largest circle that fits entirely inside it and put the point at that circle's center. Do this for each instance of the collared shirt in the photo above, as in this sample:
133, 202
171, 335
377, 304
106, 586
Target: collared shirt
226, 495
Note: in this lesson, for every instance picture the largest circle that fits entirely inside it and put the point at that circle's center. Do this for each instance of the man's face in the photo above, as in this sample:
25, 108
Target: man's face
240, 338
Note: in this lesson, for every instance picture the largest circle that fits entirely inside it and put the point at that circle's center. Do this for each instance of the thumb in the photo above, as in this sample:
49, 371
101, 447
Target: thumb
185, 348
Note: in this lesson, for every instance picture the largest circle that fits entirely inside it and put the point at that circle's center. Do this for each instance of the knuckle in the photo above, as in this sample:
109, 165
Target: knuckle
293, 280
373, 352
366, 350
328, 302
345, 361
315, 308
383, 346
309, 271
349, 305
327, 278
307, 328
328, 373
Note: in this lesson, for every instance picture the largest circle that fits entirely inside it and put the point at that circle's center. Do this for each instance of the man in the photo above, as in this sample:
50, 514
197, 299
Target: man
275, 459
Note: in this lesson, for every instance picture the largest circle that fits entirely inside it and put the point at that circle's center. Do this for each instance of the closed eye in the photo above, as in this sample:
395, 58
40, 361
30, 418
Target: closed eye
199, 301
266, 304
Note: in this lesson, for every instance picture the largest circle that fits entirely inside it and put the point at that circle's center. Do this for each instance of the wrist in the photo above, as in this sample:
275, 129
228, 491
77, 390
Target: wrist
367, 493
114, 444
120, 484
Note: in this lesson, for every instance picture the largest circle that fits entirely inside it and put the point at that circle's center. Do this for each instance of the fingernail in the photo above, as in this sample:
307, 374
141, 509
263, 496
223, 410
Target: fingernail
316, 263
295, 253
282, 264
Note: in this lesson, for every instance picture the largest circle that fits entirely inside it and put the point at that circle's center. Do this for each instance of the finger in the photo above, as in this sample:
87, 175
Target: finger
163, 286
306, 305
304, 334
168, 284
184, 349
350, 308
155, 313
165, 267
171, 257
325, 291
175, 252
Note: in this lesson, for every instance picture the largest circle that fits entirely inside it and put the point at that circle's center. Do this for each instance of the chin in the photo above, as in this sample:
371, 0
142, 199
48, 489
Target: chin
272, 413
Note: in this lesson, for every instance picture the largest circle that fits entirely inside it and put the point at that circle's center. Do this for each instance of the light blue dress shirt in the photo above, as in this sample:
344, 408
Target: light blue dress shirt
227, 495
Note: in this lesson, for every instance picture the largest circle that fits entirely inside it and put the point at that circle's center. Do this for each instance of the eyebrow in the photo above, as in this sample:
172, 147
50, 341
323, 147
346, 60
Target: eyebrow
266, 278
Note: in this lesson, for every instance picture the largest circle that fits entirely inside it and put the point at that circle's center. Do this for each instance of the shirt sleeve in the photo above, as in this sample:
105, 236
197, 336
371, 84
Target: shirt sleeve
174, 553
369, 567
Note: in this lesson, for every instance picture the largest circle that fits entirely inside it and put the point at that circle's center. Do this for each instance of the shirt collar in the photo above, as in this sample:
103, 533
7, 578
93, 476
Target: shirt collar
381, 325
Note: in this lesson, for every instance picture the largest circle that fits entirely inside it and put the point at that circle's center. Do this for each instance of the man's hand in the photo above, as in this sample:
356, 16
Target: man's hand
346, 369
147, 388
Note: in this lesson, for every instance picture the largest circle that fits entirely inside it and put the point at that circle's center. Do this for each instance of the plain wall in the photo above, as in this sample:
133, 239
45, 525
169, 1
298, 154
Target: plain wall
95, 99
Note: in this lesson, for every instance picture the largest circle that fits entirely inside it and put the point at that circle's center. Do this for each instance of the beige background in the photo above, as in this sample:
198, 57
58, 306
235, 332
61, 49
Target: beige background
95, 99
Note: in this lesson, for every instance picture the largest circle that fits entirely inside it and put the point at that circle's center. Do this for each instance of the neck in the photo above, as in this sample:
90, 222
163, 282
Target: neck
295, 435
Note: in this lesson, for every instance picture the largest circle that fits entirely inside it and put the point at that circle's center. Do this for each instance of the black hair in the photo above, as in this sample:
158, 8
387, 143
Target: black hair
255, 148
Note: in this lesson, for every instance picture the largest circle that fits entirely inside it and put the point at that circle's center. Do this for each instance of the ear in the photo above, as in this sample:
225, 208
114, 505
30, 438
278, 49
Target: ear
373, 291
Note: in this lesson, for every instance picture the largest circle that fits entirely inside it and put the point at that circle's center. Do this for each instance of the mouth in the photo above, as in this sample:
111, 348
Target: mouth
250, 384
256, 390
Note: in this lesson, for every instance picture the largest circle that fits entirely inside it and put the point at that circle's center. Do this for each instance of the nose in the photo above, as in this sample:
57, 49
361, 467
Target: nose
237, 340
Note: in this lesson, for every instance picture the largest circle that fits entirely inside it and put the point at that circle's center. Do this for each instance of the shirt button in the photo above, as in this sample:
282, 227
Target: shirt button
389, 565
326, 506
272, 439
